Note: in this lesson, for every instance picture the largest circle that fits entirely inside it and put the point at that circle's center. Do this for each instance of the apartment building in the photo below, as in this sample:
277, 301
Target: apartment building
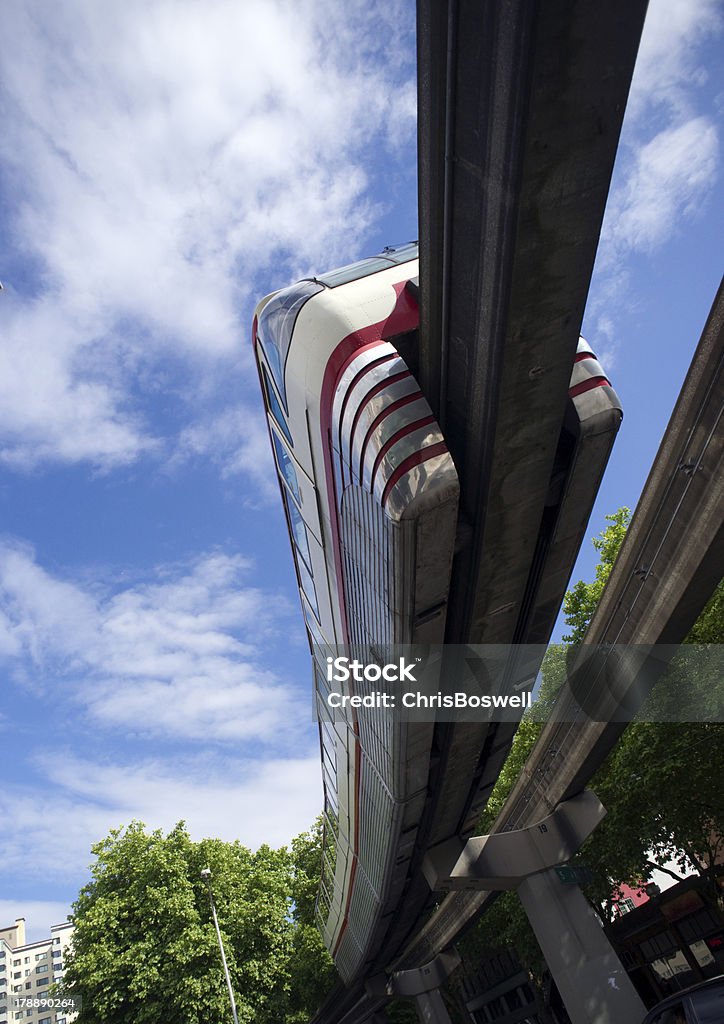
27, 972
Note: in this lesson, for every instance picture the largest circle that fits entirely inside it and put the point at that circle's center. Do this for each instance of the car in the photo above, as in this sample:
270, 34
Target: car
700, 1004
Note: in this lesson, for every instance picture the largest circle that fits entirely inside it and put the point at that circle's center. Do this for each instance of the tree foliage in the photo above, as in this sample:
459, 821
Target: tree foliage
312, 972
580, 602
145, 949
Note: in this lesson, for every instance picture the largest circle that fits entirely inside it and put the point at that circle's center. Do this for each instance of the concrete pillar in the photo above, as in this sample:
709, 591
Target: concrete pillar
431, 1008
594, 986
423, 985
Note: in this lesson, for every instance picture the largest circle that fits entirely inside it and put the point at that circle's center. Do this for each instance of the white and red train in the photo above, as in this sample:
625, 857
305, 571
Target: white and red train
370, 493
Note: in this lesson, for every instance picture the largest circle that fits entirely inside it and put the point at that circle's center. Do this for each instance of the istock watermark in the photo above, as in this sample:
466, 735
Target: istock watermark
608, 683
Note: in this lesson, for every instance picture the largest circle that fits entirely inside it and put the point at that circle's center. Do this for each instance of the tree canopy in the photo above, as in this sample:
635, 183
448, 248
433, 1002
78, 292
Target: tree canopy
145, 949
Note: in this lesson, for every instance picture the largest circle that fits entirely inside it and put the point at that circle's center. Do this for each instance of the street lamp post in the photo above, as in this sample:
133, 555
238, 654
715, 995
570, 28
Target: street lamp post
206, 875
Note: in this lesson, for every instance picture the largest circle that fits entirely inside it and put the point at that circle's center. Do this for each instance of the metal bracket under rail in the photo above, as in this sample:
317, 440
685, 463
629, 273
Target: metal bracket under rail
505, 859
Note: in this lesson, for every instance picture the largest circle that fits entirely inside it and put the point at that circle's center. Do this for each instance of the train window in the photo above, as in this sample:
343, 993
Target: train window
356, 271
275, 408
298, 531
321, 650
328, 740
286, 467
324, 904
402, 253
298, 528
305, 578
321, 683
276, 323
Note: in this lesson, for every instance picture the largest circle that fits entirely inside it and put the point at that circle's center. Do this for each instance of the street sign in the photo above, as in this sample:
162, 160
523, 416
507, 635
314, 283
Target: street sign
574, 874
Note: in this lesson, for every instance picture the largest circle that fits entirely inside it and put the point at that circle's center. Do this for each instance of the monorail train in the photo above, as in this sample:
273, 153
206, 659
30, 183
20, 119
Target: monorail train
370, 494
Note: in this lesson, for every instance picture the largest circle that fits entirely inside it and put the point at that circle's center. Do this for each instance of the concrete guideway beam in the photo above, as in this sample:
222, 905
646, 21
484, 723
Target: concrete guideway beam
504, 860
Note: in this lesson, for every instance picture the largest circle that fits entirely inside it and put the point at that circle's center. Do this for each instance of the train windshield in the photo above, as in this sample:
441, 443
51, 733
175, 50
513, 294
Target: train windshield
390, 257
276, 323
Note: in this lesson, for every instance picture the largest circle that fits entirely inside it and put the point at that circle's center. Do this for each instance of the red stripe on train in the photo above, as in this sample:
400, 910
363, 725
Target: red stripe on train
416, 459
588, 385
409, 428
387, 411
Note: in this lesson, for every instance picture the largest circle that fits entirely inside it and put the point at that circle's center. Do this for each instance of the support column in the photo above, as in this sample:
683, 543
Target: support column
431, 1008
423, 985
594, 986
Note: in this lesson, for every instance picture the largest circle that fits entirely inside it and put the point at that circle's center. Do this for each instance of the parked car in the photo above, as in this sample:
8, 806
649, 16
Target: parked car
700, 1004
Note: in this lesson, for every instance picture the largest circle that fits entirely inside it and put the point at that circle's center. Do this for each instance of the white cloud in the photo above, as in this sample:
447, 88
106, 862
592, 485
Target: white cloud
253, 802
237, 441
175, 658
159, 156
669, 62
668, 158
175, 665
39, 916
668, 181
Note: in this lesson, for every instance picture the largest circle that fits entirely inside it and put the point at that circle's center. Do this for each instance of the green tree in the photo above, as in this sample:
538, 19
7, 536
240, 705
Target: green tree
145, 949
580, 602
312, 973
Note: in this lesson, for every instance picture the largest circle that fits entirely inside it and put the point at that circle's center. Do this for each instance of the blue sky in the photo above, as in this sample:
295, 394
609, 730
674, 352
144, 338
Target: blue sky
163, 164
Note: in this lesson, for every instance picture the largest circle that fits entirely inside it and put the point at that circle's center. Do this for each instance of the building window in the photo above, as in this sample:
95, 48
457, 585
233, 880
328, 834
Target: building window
41, 969
42, 981
42, 956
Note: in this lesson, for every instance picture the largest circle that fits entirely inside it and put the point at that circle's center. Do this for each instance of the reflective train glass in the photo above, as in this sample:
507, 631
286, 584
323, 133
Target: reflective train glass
286, 467
305, 578
355, 271
402, 253
274, 408
298, 529
276, 323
